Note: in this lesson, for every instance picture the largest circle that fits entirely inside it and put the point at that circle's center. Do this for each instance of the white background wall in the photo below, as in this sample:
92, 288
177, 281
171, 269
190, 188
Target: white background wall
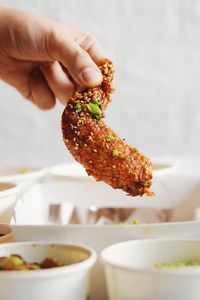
155, 46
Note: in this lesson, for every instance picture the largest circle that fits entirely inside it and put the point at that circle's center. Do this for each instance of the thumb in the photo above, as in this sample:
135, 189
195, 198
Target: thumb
78, 62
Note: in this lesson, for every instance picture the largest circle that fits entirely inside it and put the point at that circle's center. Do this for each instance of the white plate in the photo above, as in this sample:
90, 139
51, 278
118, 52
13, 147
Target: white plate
20, 174
71, 171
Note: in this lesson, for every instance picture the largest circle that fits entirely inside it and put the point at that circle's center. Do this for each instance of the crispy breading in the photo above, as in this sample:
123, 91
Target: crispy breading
97, 147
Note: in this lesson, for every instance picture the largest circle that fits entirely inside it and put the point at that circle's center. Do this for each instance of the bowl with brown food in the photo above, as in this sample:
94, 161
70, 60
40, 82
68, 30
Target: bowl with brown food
39, 270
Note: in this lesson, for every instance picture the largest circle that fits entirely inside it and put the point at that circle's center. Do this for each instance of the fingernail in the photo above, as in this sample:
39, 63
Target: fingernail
90, 75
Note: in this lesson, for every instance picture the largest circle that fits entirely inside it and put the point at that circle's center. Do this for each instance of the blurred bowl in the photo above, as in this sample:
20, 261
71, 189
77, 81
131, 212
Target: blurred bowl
75, 171
6, 234
60, 283
130, 274
69, 171
8, 197
21, 174
161, 168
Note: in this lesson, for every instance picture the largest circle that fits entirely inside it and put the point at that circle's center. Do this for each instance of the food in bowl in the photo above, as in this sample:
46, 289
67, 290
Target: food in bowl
6, 186
70, 281
176, 264
21, 174
24, 170
8, 171
15, 262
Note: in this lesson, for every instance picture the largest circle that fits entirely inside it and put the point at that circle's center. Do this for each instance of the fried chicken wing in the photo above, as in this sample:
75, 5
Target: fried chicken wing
97, 147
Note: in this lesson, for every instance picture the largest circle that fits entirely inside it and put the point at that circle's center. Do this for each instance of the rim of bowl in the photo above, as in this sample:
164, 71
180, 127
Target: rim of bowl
64, 170
51, 272
162, 168
36, 172
167, 272
116, 226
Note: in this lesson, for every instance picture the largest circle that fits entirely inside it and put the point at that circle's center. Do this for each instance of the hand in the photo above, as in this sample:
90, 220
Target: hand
45, 60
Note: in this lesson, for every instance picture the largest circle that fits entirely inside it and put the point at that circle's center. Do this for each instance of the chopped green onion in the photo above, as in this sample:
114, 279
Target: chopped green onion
110, 138
115, 153
94, 109
97, 117
176, 264
78, 107
96, 101
135, 221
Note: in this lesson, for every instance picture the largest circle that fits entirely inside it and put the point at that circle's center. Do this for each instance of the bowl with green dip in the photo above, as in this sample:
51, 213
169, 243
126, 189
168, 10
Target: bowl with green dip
153, 269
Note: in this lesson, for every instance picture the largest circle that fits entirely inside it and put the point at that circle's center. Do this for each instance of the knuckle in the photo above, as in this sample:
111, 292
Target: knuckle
88, 41
89, 36
79, 55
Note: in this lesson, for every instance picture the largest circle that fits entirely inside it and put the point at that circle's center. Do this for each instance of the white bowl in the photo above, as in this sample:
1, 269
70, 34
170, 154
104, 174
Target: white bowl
21, 174
130, 275
8, 196
60, 283
75, 171
69, 171
161, 168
